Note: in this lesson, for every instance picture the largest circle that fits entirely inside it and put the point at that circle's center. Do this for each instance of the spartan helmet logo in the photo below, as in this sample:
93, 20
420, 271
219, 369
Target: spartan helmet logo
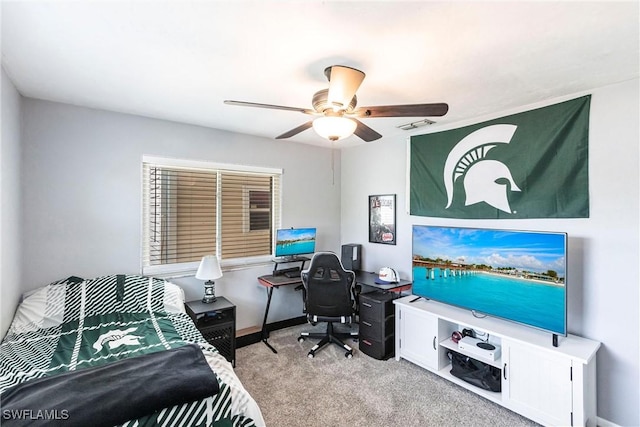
481, 176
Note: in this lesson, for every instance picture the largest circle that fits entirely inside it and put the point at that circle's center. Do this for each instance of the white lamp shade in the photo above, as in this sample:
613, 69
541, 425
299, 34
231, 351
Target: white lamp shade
209, 268
334, 128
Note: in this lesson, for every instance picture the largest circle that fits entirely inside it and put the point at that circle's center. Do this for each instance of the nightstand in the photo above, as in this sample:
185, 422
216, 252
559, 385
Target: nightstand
217, 323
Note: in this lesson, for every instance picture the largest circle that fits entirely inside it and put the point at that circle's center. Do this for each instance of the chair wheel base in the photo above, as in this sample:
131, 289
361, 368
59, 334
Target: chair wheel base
327, 338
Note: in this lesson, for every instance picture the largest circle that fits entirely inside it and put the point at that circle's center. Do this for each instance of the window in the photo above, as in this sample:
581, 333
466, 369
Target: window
191, 209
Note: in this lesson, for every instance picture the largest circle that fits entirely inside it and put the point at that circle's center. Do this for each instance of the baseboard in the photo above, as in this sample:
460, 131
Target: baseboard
605, 423
252, 338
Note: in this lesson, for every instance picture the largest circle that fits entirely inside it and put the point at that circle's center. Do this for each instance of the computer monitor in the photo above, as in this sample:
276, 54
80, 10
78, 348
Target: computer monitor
291, 242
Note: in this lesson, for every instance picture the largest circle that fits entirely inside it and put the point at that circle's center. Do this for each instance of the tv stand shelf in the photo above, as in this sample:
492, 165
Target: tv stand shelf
550, 385
448, 343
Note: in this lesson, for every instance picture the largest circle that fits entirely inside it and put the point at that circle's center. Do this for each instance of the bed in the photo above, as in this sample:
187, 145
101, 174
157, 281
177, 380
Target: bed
112, 347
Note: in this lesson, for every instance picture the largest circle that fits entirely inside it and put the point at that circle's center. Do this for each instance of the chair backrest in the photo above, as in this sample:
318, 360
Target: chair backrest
328, 287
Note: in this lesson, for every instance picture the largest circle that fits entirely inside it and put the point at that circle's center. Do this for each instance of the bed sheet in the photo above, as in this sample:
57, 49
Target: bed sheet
67, 326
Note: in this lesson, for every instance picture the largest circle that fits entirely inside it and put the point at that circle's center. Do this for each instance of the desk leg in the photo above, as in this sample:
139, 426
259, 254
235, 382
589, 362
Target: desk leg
265, 333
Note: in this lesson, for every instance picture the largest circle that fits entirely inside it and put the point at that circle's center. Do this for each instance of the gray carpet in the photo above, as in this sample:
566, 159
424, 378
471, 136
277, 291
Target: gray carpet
331, 390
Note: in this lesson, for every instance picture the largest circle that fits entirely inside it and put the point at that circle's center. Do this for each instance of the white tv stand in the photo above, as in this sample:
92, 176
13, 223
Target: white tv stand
550, 385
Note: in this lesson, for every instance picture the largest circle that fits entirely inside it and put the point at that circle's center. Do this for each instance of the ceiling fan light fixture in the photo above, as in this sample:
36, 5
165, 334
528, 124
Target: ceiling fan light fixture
336, 112
334, 128
343, 84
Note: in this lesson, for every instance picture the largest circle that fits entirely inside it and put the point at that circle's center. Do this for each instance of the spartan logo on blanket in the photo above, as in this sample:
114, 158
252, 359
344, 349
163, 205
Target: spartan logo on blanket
116, 338
484, 180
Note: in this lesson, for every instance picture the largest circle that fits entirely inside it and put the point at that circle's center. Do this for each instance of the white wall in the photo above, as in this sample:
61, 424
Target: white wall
10, 203
82, 196
604, 251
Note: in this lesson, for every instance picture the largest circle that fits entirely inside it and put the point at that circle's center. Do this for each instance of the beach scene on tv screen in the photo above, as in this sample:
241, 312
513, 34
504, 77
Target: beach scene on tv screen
295, 241
515, 275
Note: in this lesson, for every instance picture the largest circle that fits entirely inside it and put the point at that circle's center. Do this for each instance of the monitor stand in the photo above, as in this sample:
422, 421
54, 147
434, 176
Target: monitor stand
292, 258
286, 260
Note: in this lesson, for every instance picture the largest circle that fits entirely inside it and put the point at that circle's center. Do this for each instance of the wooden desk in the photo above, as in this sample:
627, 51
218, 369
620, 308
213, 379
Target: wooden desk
272, 282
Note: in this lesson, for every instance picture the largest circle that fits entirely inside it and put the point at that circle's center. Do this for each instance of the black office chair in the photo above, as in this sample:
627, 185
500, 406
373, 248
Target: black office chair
328, 294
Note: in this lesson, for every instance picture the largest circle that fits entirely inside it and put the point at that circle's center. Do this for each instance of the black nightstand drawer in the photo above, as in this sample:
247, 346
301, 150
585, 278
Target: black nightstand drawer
380, 350
214, 318
377, 330
376, 305
370, 309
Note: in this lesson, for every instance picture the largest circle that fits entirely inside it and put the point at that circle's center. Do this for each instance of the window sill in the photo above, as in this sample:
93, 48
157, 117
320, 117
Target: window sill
174, 271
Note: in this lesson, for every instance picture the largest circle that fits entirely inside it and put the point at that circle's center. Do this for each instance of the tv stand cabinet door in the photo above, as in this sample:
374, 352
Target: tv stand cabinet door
537, 384
419, 338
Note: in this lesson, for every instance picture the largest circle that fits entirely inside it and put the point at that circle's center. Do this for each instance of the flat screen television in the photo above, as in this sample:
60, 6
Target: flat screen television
291, 242
519, 276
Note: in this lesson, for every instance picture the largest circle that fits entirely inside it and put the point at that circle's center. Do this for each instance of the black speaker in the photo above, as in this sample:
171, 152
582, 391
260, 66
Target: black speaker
351, 256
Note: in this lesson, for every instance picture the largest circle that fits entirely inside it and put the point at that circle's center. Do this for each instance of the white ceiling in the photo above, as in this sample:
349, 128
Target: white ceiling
178, 60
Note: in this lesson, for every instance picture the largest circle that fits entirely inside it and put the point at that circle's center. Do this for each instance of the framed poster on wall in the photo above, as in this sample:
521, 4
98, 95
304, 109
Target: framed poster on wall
382, 219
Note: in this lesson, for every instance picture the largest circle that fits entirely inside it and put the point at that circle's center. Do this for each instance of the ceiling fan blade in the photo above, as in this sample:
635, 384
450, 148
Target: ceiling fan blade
408, 110
295, 131
343, 84
365, 133
270, 106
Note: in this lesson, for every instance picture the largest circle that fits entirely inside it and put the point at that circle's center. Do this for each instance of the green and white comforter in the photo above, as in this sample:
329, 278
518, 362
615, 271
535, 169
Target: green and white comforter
69, 326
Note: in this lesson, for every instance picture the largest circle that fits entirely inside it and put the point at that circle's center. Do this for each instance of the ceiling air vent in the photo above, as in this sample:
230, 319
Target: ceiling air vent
415, 125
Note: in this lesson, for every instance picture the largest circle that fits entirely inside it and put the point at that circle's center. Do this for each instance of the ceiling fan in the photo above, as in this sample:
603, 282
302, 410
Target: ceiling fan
335, 108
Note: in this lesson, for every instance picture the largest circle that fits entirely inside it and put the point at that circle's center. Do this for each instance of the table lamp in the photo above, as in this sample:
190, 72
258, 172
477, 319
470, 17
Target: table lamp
209, 270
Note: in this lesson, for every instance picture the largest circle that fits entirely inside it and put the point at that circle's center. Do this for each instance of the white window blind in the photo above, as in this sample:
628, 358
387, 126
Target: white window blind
192, 209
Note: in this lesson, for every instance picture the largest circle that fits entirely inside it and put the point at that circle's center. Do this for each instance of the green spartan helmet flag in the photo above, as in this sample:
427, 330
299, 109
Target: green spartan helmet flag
528, 165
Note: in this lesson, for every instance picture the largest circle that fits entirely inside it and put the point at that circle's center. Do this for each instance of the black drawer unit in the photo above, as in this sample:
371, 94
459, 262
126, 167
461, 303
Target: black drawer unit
217, 324
377, 324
